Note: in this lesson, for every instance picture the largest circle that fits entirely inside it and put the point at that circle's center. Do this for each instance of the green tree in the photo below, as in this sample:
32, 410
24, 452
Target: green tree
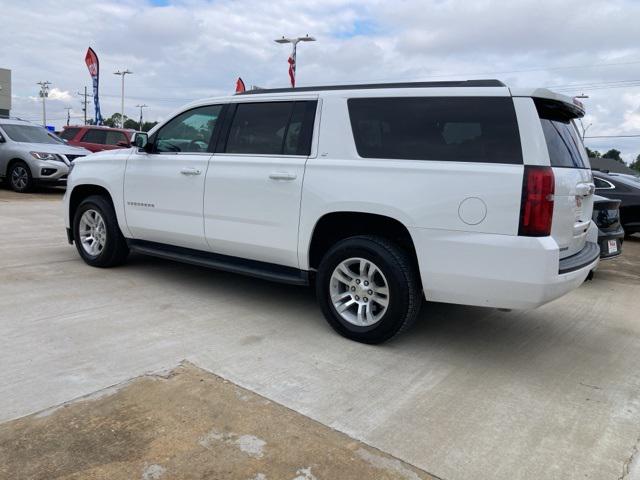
593, 153
146, 126
132, 124
636, 164
614, 155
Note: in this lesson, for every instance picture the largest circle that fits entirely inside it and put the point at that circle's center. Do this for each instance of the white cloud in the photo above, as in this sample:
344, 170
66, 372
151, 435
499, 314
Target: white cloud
196, 48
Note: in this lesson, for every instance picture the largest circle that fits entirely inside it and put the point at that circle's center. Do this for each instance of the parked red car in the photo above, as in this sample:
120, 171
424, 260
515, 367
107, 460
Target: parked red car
96, 139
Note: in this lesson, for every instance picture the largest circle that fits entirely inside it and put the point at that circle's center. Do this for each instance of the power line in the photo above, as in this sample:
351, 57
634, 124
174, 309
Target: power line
614, 136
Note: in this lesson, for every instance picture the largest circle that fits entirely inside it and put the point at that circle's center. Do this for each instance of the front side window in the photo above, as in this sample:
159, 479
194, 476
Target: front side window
29, 134
95, 135
456, 129
272, 128
189, 132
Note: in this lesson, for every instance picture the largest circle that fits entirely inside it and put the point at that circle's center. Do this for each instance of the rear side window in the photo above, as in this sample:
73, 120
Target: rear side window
114, 137
563, 143
454, 129
95, 135
69, 133
272, 128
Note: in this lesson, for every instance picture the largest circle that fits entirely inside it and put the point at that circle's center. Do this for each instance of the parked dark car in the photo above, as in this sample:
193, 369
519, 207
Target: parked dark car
96, 138
625, 188
606, 216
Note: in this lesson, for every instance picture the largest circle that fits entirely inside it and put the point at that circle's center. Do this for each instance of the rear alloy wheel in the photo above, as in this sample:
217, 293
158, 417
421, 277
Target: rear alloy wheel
20, 177
368, 289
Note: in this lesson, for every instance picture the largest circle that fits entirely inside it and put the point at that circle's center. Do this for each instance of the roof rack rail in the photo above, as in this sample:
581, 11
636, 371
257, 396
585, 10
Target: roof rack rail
369, 86
11, 117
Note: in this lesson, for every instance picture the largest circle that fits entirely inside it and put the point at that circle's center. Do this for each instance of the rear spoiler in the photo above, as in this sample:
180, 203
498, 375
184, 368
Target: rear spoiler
569, 107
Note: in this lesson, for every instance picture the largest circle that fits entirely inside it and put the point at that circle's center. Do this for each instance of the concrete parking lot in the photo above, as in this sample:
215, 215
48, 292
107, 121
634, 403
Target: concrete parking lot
467, 393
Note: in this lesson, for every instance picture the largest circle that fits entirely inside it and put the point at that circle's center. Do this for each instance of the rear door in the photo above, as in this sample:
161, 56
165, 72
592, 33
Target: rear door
254, 182
574, 188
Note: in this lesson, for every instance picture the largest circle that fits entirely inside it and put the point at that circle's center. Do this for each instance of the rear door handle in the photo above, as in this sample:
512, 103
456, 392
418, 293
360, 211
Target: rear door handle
190, 171
282, 176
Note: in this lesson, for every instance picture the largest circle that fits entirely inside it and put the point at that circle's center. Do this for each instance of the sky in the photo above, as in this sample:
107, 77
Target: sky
182, 50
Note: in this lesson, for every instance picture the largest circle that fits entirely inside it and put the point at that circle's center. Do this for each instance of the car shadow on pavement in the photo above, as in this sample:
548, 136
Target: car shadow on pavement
498, 339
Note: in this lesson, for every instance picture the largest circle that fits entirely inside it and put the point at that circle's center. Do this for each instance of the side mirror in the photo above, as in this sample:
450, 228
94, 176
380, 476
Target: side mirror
2, 140
142, 140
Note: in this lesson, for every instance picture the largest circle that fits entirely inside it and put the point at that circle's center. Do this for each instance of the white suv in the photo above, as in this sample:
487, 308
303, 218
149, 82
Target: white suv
467, 192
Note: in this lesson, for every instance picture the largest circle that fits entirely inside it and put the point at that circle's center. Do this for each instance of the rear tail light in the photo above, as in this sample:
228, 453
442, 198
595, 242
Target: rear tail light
536, 210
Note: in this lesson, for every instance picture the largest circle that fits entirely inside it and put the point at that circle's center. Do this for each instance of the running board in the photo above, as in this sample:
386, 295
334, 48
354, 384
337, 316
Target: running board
251, 268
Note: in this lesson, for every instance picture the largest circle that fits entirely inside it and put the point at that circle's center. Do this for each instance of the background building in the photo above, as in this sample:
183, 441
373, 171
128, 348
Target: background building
5, 91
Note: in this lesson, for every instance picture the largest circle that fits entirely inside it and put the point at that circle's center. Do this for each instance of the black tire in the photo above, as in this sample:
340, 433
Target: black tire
19, 177
405, 296
115, 250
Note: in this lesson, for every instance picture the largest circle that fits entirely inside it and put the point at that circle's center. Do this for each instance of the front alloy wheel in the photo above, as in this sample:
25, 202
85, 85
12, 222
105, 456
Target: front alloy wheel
93, 232
20, 177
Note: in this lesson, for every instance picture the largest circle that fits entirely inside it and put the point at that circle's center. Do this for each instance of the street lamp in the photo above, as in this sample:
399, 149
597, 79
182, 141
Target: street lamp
292, 57
44, 93
141, 106
122, 74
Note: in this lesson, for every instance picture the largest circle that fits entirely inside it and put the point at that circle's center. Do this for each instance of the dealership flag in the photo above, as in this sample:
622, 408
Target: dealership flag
292, 68
91, 59
240, 88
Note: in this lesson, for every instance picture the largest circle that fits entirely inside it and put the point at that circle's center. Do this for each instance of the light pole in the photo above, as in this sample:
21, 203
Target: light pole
141, 107
292, 57
122, 74
44, 93
68, 109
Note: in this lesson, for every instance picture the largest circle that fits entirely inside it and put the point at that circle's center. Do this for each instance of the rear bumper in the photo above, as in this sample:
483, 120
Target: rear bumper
503, 271
603, 241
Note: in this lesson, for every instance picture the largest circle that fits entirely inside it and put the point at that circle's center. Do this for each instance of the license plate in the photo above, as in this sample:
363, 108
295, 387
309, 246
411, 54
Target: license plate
613, 246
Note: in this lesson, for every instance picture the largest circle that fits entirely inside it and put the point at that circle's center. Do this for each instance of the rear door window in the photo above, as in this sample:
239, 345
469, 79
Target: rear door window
69, 133
455, 129
95, 135
114, 137
272, 128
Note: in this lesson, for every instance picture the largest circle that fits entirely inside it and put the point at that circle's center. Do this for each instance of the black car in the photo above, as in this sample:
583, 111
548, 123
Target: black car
625, 188
610, 233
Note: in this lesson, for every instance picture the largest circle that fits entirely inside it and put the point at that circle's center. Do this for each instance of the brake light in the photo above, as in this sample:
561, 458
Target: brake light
536, 210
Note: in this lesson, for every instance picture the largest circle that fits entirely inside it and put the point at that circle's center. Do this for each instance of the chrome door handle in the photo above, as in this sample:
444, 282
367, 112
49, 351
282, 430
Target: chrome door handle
282, 176
190, 171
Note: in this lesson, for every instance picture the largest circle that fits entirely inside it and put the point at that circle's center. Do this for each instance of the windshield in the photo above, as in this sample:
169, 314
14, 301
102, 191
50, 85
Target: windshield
29, 134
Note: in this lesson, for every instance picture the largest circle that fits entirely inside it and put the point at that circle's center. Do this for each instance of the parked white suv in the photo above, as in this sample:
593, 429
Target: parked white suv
468, 192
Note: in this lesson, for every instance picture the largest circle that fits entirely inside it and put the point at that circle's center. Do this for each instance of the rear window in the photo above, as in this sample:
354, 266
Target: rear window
563, 143
69, 133
454, 129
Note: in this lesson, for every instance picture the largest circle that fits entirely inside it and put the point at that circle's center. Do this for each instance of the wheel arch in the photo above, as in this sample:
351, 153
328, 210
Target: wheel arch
15, 160
79, 193
338, 225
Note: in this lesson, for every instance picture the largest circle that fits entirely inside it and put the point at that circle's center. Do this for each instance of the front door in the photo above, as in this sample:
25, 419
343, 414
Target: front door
254, 182
163, 189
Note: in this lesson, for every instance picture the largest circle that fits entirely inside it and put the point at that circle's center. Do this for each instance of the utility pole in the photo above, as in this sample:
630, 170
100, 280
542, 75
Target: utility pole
44, 93
292, 57
122, 74
141, 107
68, 109
84, 103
